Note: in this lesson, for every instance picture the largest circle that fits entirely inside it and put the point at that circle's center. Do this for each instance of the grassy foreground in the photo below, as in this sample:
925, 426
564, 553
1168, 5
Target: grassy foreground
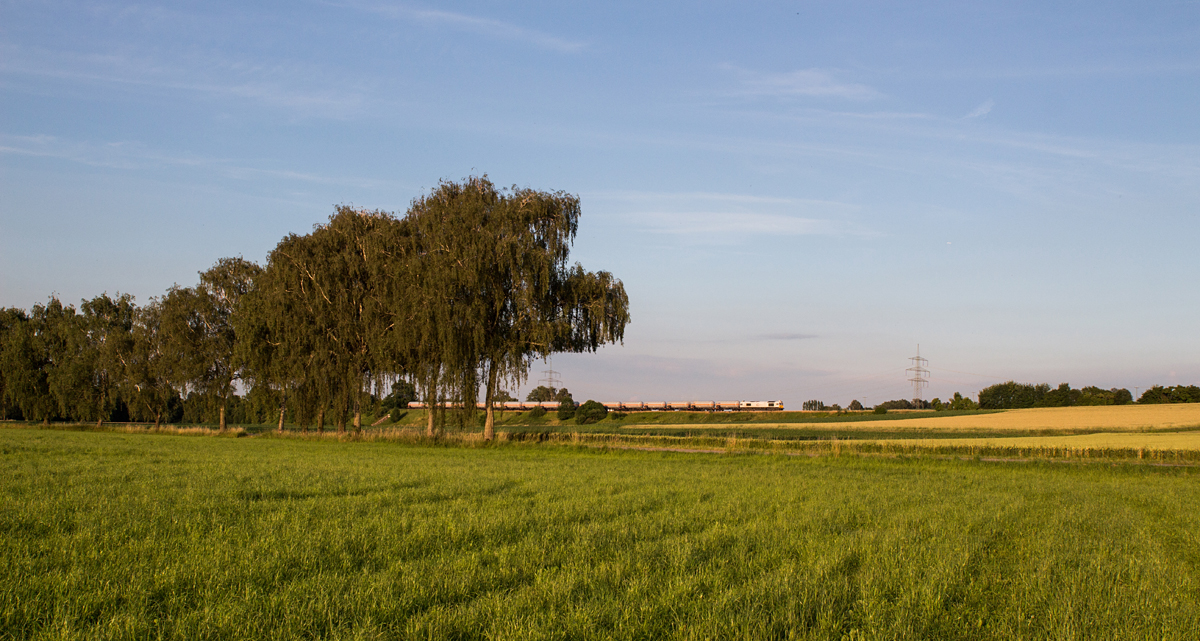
109, 535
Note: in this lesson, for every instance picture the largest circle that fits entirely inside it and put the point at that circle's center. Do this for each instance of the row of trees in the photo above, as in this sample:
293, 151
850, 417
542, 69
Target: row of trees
1013, 395
457, 297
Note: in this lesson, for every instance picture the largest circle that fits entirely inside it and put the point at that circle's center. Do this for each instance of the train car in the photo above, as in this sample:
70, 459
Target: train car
633, 406
655, 406
760, 406
679, 405
704, 406
613, 407
728, 406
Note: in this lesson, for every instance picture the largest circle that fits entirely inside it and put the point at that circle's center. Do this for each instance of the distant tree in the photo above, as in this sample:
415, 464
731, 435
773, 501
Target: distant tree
937, 405
590, 412
1061, 396
107, 325
812, 406
541, 394
1011, 395
1096, 396
11, 320
566, 407
198, 332
959, 402
71, 360
899, 404
26, 362
855, 405
147, 387
402, 393
501, 396
1173, 394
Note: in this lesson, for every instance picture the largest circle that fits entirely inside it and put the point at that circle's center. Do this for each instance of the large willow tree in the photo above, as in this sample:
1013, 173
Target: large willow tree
465, 291
497, 287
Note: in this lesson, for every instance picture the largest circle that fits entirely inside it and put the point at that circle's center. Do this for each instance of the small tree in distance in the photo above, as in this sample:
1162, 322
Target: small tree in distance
590, 412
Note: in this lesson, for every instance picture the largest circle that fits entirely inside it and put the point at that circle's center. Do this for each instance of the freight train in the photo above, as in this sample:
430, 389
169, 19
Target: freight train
638, 406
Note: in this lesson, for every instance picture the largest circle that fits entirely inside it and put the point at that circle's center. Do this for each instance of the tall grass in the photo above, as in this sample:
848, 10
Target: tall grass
113, 535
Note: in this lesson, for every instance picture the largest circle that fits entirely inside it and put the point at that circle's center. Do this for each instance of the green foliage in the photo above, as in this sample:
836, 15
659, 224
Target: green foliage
900, 404
812, 406
403, 392
1172, 394
879, 409
855, 405
590, 412
960, 402
566, 409
1013, 395
537, 412
127, 537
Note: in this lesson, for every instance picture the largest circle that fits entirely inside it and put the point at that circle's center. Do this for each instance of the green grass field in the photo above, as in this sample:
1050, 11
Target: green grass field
111, 535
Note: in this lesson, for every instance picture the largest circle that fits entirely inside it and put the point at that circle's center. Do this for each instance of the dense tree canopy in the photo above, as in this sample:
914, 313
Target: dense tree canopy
452, 301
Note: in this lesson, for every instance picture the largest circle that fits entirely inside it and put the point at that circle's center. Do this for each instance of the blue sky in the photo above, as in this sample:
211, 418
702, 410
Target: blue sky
795, 194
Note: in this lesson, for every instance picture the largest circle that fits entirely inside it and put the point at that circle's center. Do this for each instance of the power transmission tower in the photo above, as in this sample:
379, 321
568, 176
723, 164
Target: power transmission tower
550, 378
918, 376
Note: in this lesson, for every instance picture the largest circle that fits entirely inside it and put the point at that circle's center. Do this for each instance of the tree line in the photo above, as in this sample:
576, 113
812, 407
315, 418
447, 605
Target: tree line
456, 298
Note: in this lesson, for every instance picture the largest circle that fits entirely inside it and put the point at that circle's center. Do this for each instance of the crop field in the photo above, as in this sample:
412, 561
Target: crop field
131, 536
1189, 441
1114, 418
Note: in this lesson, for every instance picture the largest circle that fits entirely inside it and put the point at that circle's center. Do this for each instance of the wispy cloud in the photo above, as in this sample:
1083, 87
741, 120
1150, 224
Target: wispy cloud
726, 226
816, 83
489, 27
982, 110
128, 155
304, 90
786, 337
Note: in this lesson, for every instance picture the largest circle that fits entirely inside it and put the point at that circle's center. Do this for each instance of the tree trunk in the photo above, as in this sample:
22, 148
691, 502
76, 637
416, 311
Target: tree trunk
341, 424
282, 409
157, 419
222, 413
99, 423
489, 423
357, 421
321, 421
429, 419
46, 419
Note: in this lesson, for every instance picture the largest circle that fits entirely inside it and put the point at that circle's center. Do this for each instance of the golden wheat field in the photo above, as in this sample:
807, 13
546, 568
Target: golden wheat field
1118, 418
1097, 441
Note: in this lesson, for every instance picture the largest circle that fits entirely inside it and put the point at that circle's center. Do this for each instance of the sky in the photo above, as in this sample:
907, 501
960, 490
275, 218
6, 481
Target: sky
796, 195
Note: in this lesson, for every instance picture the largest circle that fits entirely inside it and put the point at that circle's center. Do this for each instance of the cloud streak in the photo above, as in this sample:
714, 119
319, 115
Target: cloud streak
786, 337
135, 156
982, 110
305, 90
810, 83
492, 28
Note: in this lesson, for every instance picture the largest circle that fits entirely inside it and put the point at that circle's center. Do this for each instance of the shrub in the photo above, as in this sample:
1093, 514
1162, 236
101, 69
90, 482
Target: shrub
590, 412
396, 414
537, 412
566, 410
879, 409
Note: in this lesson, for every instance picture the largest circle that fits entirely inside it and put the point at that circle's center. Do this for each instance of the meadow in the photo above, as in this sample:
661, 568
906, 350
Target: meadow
120, 535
